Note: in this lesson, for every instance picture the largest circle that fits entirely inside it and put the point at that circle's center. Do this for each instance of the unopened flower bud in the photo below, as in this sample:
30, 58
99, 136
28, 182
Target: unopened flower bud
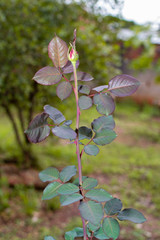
72, 54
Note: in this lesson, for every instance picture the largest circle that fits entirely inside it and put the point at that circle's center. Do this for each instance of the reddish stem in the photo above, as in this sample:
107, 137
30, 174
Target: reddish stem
68, 81
92, 95
86, 145
77, 141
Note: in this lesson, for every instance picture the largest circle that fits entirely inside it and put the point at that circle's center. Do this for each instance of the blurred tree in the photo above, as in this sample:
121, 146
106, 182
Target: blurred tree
26, 27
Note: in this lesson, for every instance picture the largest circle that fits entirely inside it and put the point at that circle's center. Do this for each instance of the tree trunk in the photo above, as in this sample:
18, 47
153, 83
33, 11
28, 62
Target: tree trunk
28, 157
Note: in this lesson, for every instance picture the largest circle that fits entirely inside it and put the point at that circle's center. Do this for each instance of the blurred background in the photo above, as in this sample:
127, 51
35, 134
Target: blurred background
113, 37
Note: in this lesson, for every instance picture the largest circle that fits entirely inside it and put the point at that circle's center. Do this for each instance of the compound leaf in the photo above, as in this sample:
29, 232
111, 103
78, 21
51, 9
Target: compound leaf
67, 173
68, 199
49, 174
105, 136
123, 85
82, 76
132, 215
91, 211
111, 228
89, 183
64, 89
104, 102
38, 129
54, 114
85, 102
48, 76
103, 122
68, 188
64, 132
99, 195
85, 132
113, 206
57, 51
51, 190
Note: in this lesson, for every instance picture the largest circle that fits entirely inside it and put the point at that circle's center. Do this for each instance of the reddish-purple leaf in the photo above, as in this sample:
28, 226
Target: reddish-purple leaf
82, 76
38, 128
100, 88
105, 103
68, 68
47, 76
64, 89
123, 85
57, 51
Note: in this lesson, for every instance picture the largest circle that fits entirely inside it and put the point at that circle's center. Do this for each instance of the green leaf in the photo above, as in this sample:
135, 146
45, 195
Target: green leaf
85, 89
111, 228
85, 102
48, 76
76, 181
67, 173
91, 211
64, 89
49, 174
70, 235
91, 149
49, 238
82, 76
57, 51
105, 136
123, 85
38, 129
100, 234
99, 195
85, 132
68, 188
89, 183
54, 114
79, 231
104, 102
51, 190
103, 123
68, 199
93, 227
113, 206
64, 132
88, 233
132, 215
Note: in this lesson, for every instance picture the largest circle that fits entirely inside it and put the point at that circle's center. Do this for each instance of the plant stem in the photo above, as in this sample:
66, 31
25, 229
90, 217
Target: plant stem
77, 140
77, 126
